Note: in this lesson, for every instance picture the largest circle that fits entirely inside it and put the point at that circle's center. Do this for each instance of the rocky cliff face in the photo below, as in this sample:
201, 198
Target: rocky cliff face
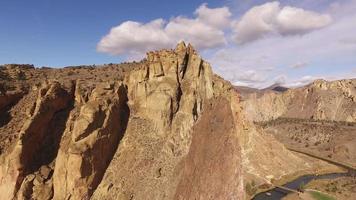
321, 100
27, 152
318, 118
162, 128
167, 97
93, 132
130, 132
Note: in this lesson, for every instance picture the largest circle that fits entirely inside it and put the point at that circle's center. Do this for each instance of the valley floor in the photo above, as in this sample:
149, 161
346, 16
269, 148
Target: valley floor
331, 140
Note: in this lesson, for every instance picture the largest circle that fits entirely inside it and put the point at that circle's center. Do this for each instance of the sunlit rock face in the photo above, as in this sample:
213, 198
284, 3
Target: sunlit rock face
321, 100
166, 127
168, 99
118, 131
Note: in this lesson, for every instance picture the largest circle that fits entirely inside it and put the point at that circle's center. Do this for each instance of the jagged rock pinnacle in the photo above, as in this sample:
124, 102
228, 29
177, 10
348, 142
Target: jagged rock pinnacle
181, 46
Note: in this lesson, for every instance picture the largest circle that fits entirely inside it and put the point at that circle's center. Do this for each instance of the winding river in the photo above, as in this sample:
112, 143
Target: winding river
278, 193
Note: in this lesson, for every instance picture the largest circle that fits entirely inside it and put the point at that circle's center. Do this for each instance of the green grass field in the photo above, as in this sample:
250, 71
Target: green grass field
320, 196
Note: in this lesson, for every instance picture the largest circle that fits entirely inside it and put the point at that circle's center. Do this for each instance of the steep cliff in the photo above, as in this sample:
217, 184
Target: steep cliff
169, 118
28, 152
318, 118
162, 128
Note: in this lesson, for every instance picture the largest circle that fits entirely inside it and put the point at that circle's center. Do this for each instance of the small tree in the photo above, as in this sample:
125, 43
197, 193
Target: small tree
302, 187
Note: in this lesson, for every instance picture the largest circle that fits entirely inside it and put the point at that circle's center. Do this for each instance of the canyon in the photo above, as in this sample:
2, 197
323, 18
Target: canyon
165, 127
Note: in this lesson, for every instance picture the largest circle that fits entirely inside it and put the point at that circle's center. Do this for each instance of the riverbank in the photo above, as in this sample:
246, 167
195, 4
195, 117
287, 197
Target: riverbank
317, 167
343, 188
297, 185
309, 195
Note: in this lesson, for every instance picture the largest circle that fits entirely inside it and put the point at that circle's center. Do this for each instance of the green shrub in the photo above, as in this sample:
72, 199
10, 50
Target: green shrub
251, 188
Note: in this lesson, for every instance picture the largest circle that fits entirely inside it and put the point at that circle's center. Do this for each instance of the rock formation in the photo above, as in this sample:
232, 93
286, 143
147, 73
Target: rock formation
162, 128
320, 100
93, 132
26, 154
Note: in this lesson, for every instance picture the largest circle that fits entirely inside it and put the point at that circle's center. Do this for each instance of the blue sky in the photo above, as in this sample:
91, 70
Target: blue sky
66, 32
249, 42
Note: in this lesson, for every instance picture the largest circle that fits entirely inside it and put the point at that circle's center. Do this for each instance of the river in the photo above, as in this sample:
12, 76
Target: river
277, 193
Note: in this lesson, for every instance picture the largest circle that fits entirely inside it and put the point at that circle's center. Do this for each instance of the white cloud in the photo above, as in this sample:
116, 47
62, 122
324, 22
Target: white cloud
291, 21
302, 38
240, 83
200, 34
133, 37
250, 76
272, 19
299, 65
204, 31
324, 51
303, 81
280, 79
216, 17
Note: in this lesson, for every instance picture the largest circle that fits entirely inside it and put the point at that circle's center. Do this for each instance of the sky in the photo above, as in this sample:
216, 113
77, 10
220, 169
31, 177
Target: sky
252, 43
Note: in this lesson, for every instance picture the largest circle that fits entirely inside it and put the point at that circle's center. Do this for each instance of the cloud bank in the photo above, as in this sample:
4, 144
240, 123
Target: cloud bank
205, 31
266, 44
271, 18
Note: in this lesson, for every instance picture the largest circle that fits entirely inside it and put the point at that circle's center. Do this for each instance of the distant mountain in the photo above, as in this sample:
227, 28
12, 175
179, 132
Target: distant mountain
244, 91
276, 88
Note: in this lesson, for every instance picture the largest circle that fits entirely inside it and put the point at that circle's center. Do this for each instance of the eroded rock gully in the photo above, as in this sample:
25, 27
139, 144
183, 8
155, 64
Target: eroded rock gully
22, 157
89, 142
162, 128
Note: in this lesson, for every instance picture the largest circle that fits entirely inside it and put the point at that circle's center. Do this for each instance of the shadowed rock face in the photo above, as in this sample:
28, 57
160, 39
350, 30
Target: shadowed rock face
21, 158
88, 147
211, 169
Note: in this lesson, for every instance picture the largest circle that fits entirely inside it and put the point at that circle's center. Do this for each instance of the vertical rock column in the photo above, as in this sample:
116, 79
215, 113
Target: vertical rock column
166, 96
90, 142
51, 98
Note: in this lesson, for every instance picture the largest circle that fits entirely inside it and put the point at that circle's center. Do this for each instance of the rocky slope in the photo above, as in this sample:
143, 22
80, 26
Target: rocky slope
162, 128
318, 118
321, 100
